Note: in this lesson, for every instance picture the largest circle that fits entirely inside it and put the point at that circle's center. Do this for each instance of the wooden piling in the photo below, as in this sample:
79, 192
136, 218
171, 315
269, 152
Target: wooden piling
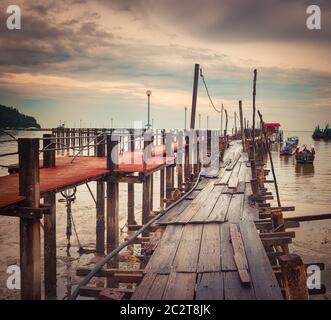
49, 223
194, 95
100, 205
29, 187
294, 277
131, 215
162, 173
112, 196
242, 131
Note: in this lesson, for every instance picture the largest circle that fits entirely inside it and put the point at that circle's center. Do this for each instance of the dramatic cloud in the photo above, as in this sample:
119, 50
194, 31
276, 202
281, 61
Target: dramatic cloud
95, 59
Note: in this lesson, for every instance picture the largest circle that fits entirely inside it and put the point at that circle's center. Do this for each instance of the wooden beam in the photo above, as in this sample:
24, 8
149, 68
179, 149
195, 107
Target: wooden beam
30, 251
194, 95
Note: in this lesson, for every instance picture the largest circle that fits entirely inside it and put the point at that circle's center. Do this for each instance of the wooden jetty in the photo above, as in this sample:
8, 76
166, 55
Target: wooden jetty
210, 248
223, 241
213, 235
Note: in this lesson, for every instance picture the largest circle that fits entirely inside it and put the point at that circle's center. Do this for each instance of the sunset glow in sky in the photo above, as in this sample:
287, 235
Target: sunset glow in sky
94, 60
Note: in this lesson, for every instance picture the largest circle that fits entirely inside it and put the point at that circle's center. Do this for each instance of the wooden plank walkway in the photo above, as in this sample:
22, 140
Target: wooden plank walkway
83, 169
195, 258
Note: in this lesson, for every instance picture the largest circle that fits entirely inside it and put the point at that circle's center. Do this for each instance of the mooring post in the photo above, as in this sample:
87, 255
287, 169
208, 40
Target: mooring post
194, 95
197, 154
131, 216
68, 142
29, 187
168, 184
152, 177
163, 142
100, 205
112, 194
49, 222
187, 166
179, 160
294, 277
242, 131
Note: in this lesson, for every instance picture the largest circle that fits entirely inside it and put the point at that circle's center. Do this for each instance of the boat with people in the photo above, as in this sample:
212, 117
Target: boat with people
293, 140
318, 133
305, 156
287, 149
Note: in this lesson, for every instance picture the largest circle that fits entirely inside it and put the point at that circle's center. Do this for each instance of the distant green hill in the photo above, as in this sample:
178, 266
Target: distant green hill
12, 118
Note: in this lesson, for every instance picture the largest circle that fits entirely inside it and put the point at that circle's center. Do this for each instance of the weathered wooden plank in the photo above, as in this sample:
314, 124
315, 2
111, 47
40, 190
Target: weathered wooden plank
210, 249
174, 212
263, 278
191, 210
161, 260
193, 195
210, 286
187, 254
225, 178
239, 254
180, 286
220, 209
242, 173
241, 187
234, 162
250, 211
207, 206
158, 287
234, 289
144, 287
233, 181
227, 252
235, 208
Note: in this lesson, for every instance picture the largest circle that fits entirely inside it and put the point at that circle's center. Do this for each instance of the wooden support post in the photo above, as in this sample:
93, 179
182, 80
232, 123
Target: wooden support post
50, 246
194, 96
112, 196
67, 141
49, 222
29, 187
100, 219
151, 180
168, 183
208, 142
242, 126
294, 277
100, 206
101, 146
254, 113
226, 125
146, 201
187, 166
48, 153
162, 174
131, 216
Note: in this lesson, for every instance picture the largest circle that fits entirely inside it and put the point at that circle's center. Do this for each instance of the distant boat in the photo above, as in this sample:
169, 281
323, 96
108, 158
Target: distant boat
293, 140
319, 134
304, 155
288, 149
327, 133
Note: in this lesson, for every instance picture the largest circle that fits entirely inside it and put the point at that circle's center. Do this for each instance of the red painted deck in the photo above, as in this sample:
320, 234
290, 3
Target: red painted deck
82, 169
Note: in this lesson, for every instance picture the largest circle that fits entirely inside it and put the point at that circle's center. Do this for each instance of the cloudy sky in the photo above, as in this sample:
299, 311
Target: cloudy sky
90, 61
